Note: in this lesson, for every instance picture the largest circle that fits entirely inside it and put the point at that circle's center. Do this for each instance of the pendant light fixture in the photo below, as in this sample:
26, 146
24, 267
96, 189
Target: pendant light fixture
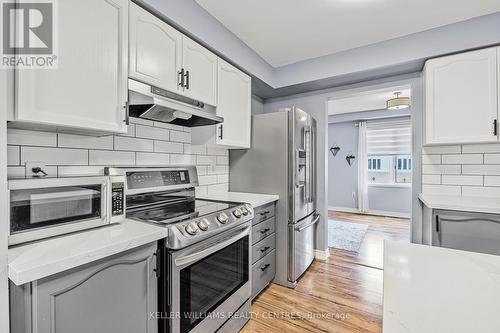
398, 102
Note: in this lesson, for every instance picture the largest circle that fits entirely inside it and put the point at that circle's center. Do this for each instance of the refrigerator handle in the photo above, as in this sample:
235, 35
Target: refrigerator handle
307, 147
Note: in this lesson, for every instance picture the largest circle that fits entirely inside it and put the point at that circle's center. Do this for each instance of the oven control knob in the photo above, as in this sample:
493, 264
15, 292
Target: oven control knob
223, 218
249, 208
203, 224
191, 228
244, 211
237, 213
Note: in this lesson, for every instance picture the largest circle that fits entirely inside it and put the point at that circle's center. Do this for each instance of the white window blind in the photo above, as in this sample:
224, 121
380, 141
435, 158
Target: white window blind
389, 137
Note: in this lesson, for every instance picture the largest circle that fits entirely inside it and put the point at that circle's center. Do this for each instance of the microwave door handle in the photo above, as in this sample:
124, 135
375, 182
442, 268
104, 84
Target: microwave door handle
104, 203
194, 257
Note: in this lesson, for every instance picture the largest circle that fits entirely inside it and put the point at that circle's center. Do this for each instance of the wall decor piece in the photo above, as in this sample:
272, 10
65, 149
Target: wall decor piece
335, 149
349, 158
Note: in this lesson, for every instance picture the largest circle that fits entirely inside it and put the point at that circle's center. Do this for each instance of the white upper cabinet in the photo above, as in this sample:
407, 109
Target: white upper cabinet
461, 98
155, 50
88, 89
234, 105
200, 72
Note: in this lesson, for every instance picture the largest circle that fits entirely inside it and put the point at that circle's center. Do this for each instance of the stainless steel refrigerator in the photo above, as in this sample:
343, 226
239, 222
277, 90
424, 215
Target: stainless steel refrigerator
282, 160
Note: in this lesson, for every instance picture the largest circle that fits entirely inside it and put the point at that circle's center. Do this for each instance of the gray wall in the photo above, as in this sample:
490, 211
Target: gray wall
343, 179
257, 105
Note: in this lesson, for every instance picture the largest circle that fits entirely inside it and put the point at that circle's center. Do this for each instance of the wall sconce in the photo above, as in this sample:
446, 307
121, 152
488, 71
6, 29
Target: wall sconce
334, 150
349, 159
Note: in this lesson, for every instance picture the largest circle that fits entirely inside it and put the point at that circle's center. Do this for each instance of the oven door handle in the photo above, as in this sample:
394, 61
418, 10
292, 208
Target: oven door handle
194, 257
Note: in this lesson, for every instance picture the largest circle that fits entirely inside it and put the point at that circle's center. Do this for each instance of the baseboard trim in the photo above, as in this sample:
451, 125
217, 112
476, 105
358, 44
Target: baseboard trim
370, 212
321, 255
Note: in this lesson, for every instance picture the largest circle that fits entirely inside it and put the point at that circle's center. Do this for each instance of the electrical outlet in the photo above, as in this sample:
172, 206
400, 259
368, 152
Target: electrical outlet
33, 165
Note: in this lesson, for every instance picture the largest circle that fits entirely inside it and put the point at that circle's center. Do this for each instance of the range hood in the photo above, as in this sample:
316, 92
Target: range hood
153, 103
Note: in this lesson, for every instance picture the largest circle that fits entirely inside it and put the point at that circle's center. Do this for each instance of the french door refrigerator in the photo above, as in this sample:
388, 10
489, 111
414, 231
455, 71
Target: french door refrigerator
282, 161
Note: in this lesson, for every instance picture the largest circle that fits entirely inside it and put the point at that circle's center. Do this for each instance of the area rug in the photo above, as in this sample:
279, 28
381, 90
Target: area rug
346, 236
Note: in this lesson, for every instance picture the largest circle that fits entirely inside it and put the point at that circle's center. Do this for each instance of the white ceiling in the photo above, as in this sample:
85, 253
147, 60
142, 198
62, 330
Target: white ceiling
366, 101
288, 31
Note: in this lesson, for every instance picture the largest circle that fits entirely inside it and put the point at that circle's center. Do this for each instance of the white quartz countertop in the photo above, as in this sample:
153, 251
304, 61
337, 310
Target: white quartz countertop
41, 259
454, 202
432, 289
254, 199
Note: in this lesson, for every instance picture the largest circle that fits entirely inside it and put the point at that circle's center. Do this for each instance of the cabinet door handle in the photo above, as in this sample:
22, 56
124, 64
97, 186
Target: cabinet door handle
263, 231
495, 127
187, 79
220, 132
264, 267
181, 77
264, 213
264, 249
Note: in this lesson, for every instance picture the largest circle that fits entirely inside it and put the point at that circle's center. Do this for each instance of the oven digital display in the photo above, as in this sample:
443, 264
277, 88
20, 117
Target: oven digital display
137, 180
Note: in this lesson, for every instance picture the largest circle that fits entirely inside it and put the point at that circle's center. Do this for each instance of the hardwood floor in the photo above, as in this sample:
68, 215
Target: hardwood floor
341, 294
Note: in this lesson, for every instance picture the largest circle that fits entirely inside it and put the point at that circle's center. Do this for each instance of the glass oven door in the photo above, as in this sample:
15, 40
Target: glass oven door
41, 208
210, 281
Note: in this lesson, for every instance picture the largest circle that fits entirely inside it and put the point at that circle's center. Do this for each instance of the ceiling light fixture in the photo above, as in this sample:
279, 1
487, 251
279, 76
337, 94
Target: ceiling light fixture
398, 102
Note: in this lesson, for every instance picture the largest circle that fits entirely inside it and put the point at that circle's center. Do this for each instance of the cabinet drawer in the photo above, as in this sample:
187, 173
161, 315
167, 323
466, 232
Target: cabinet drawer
263, 272
265, 246
262, 230
262, 213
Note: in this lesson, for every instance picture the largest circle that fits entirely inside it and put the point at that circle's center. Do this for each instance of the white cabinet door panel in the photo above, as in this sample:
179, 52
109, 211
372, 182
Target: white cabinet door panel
155, 50
461, 98
88, 90
233, 104
202, 67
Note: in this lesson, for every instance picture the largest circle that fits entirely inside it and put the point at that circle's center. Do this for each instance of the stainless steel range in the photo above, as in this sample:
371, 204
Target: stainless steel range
204, 265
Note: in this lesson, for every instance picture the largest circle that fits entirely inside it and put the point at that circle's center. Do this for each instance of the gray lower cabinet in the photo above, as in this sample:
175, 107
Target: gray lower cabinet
263, 248
113, 295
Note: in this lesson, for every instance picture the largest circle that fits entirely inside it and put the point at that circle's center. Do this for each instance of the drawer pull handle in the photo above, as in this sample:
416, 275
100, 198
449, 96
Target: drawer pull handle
263, 231
264, 213
264, 249
264, 267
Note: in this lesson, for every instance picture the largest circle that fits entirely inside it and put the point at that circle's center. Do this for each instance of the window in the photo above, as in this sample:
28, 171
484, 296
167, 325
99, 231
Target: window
389, 152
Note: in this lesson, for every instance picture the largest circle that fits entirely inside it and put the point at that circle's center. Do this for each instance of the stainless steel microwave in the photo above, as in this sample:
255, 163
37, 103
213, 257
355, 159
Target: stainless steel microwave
47, 207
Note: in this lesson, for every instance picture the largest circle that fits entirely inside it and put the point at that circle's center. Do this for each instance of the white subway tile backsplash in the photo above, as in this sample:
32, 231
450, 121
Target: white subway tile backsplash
208, 180
133, 144
491, 158
217, 188
430, 150
54, 156
462, 180
31, 138
84, 141
474, 191
483, 148
108, 157
201, 190
13, 155
80, 170
205, 160
178, 136
431, 159
182, 159
479, 170
168, 147
484, 169
222, 160
155, 133
431, 179
463, 159
491, 180
442, 189
152, 159
145, 143
434, 169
